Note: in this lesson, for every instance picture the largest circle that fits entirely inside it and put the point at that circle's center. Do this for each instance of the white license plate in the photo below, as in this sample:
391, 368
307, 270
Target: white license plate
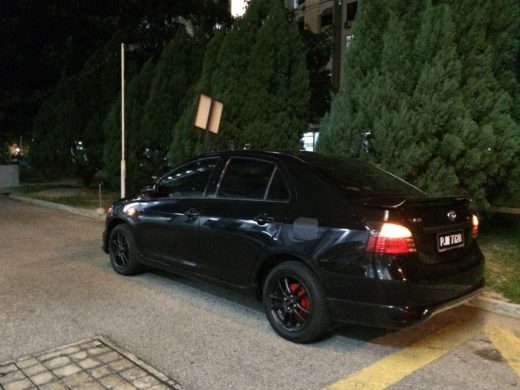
447, 241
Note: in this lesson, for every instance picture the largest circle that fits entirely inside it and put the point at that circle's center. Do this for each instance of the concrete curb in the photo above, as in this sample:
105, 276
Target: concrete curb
74, 210
484, 302
506, 210
496, 306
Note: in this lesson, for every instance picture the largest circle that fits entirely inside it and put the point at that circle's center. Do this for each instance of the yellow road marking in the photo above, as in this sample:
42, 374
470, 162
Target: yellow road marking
507, 343
395, 367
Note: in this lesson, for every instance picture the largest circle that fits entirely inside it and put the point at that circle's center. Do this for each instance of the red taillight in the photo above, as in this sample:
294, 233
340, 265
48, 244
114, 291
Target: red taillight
392, 239
474, 228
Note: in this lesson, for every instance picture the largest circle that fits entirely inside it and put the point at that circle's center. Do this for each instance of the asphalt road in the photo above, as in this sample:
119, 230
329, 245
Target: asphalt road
57, 287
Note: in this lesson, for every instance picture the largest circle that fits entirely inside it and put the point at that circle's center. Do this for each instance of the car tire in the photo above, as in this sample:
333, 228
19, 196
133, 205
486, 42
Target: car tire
123, 253
295, 303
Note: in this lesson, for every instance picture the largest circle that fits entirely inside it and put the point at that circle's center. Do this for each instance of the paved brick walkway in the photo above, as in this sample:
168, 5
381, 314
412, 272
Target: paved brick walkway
92, 364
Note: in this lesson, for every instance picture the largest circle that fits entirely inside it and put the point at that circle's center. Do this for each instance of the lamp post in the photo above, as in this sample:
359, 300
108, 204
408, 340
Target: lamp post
337, 23
123, 162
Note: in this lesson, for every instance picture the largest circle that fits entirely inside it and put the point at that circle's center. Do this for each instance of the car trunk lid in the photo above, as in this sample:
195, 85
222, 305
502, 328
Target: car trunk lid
441, 227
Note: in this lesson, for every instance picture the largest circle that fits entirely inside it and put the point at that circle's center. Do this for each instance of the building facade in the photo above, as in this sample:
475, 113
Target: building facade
319, 16
334, 18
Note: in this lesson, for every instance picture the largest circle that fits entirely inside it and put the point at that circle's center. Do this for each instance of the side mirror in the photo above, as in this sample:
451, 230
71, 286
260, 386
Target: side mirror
150, 191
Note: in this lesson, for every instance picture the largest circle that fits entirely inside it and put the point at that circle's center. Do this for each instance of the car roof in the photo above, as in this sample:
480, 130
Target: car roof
303, 156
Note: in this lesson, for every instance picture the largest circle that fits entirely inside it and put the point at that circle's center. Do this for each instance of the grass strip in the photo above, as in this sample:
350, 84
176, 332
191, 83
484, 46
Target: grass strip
500, 243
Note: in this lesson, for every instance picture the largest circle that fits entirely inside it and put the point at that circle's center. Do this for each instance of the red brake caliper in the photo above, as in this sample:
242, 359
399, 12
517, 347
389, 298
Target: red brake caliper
302, 294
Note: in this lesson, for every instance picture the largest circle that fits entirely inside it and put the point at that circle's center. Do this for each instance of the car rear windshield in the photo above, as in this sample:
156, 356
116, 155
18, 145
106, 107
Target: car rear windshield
361, 179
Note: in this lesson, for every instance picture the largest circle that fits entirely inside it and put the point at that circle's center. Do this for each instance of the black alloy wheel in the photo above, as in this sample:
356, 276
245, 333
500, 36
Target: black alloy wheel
123, 256
119, 246
294, 303
290, 303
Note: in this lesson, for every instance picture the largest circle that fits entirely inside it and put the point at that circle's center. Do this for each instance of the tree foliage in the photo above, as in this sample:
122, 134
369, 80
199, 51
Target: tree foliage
429, 93
319, 47
154, 100
178, 69
72, 118
54, 128
136, 95
258, 70
41, 40
187, 141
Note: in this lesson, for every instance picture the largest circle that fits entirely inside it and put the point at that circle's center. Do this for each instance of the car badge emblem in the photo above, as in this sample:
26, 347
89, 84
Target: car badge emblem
452, 215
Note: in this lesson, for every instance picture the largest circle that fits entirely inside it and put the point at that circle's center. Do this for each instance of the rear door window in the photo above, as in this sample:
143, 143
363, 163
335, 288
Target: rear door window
252, 179
278, 189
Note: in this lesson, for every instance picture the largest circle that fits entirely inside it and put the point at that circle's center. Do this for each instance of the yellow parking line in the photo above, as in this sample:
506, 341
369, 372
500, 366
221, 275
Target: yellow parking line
507, 343
395, 367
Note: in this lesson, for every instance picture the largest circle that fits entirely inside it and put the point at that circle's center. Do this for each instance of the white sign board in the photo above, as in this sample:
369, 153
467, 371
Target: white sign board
203, 112
209, 113
216, 114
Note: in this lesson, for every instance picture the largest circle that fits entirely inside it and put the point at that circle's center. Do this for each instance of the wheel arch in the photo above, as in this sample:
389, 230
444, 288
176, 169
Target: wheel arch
115, 222
268, 264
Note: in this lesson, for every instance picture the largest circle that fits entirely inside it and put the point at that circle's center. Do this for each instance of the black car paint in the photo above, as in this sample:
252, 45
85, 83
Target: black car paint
237, 241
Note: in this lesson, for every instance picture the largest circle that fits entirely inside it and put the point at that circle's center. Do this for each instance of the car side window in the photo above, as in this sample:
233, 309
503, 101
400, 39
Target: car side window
278, 189
189, 180
246, 178
253, 179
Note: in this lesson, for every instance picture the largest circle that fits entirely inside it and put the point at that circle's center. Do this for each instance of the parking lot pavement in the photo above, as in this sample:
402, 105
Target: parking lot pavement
57, 287
490, 341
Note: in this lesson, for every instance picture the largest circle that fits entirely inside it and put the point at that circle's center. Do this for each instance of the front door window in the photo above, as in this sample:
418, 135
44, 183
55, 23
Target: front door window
190, 180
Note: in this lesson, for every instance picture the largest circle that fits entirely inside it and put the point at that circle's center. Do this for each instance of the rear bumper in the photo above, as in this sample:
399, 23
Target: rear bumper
396, 316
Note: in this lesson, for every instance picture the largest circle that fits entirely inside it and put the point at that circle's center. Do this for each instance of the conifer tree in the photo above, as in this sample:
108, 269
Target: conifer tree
389, 94
177, 70
186, 140
435, 101
487, 43
136, 95
344, 129
68, 127
141, 156
154, 99
276, 103
112, 145
258, 70
229, 82
55, 127
439, 117
97, 84
319, 47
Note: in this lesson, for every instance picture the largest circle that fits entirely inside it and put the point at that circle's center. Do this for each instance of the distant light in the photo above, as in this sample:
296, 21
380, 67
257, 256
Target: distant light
309, 140
238, 7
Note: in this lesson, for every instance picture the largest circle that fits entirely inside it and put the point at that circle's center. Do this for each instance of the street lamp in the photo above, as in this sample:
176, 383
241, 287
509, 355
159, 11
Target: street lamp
123, 162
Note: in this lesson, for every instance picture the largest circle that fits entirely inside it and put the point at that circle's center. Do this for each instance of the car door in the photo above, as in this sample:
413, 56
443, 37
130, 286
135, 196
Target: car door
168, 224
243, 219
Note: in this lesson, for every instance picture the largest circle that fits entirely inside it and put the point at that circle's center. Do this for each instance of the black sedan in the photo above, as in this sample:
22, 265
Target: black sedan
318, 239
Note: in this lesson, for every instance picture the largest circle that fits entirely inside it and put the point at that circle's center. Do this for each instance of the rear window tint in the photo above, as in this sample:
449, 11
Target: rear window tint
278, 189
360, 179
246, 178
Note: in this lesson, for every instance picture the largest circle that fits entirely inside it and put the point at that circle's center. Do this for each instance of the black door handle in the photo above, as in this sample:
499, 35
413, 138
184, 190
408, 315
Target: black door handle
263, 218
192, 213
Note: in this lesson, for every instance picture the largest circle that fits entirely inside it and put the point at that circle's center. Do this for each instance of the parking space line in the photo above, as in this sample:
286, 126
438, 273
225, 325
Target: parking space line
395, 367
507, 343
